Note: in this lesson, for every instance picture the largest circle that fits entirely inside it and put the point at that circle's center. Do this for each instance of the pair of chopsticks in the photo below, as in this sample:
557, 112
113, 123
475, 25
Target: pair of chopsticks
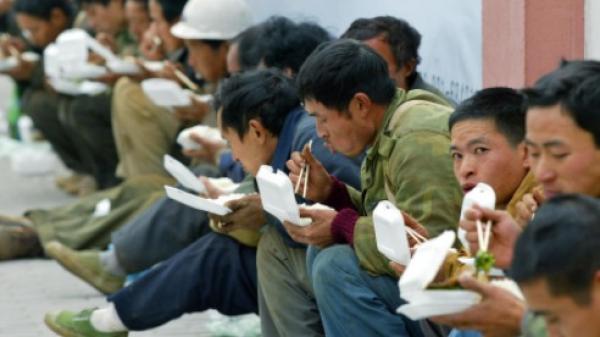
305, 173
484, 234
415, 235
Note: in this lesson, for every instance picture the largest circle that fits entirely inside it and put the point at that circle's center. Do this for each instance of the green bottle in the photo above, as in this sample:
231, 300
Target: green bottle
14, 112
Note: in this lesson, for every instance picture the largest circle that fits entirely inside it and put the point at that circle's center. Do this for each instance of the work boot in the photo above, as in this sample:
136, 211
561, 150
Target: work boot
87, 266
70, 324
18, 241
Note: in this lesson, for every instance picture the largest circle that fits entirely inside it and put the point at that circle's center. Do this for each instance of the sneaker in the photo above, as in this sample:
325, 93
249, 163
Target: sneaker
87, 266
18, 241
70, 324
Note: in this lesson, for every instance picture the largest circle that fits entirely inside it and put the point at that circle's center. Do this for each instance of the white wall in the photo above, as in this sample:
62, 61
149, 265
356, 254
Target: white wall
451, 29
592, 29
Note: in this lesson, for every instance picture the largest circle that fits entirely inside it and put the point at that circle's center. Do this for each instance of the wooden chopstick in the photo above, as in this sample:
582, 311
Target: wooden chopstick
304, 174
186, 80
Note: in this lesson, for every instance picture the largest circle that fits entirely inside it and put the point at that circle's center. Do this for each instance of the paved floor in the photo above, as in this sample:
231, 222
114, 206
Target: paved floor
29, 288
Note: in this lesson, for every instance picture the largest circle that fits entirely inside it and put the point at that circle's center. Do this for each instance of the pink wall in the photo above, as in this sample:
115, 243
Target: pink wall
524, 39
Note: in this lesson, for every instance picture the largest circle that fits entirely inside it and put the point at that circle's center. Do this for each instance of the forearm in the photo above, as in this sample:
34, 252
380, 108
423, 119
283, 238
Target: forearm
339, 198
342, 227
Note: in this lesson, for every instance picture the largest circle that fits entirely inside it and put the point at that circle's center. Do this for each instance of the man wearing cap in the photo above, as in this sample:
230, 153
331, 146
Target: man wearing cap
145, 132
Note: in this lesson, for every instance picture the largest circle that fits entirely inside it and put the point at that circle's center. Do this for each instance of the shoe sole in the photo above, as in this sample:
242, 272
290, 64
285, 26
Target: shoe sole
51, 324
10, 221
62, 255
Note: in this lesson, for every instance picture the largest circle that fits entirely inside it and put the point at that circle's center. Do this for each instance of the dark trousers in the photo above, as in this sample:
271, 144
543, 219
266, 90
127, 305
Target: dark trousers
161, 231
214, 272
89, 119
158, 233
42, 106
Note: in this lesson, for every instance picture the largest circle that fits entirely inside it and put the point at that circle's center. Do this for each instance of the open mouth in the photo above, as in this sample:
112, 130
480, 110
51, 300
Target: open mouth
468, 187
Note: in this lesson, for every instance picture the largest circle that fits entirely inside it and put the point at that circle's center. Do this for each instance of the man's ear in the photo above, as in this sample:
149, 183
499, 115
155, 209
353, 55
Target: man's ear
360, 106
257, 131
408, 68
595, 293
523, 154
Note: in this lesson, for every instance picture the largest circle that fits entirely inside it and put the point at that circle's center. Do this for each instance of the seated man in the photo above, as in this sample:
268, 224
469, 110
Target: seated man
76, 227
151, 237
561, 283
562, 138
486, 145
355, 117
144, 132
398, 43
262, 120
89, 117
138, 18
42, 21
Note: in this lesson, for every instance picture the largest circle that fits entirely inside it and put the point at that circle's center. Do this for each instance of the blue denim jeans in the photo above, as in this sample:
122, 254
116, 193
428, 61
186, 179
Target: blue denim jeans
464, 333
352, 302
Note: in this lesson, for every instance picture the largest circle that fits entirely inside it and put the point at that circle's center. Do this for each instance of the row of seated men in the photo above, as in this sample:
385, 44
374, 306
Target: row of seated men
378, 132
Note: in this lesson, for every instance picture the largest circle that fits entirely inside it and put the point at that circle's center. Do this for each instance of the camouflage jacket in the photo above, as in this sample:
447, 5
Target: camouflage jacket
410, 159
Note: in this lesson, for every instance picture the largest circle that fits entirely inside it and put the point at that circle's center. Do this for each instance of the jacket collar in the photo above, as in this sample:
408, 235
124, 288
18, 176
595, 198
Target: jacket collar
285, 140
399, 98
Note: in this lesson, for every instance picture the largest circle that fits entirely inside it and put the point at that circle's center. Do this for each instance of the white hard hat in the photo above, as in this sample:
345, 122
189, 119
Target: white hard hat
213, 20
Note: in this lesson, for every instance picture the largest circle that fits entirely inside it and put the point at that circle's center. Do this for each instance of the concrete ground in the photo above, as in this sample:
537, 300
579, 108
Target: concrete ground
30, 288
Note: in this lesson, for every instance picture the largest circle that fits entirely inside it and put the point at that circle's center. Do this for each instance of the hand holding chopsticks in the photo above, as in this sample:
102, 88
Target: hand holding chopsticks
305, 169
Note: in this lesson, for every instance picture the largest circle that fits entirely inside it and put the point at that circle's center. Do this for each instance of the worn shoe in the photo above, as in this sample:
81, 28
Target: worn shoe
77, 184
69, 184
87, 266
86, 186
70, 324
18, 241
6, 220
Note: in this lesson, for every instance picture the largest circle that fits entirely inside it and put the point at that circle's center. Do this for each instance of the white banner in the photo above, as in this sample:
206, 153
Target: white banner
451, 49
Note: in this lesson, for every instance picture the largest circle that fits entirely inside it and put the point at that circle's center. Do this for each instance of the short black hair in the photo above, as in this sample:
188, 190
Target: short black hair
251, 47
504, 106
404, 39
561, 245
172, 9
266, 95
338, 70
287, 44
575, 86
104, 3
42, 9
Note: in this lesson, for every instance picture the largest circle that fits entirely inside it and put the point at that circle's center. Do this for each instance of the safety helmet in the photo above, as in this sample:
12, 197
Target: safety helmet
213, 20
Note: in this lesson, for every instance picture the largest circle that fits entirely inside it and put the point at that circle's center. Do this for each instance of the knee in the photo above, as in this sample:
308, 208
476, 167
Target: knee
40, 105
263, 251
122, 92
122, 86
268, 253
332, 266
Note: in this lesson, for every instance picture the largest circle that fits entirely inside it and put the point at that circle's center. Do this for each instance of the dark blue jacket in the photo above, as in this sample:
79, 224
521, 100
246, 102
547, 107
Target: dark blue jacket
299, 129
